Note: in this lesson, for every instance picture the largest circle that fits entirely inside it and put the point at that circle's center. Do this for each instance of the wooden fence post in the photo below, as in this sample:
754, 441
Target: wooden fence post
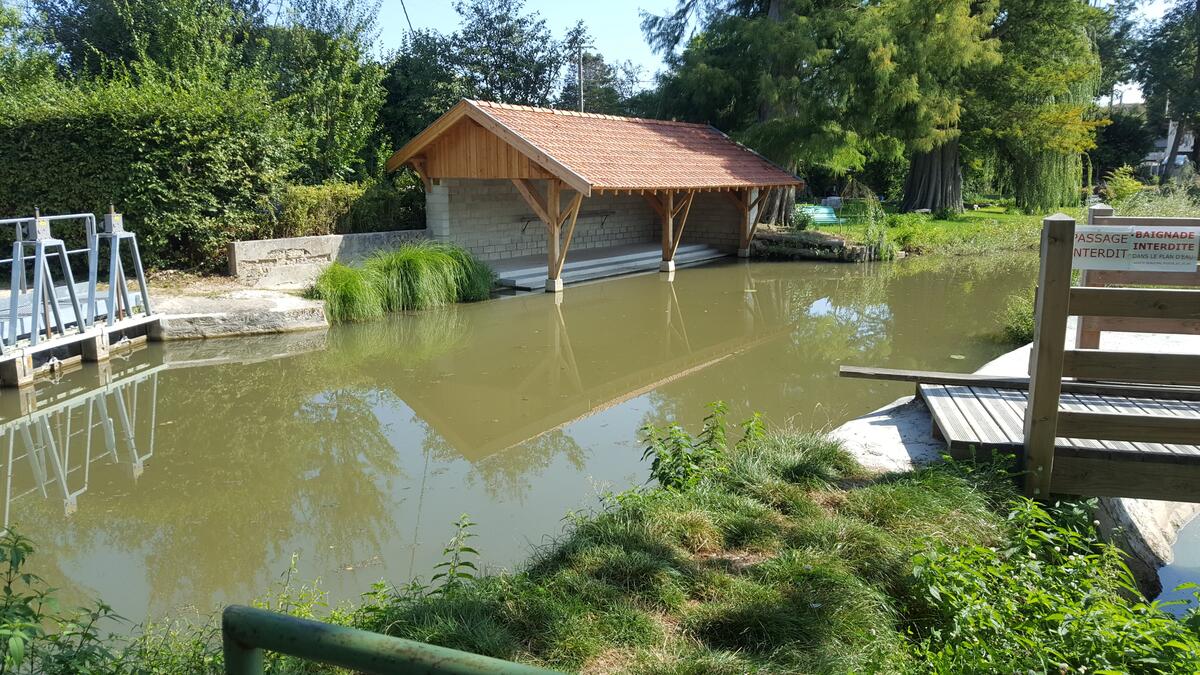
1046, 362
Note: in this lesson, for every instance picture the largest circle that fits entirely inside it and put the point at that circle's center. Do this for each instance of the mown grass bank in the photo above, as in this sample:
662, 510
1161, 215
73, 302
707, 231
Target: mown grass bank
775, 553
418, 275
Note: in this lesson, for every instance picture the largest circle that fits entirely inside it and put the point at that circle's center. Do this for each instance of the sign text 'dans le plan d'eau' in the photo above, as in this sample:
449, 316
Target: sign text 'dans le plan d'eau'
1136, 247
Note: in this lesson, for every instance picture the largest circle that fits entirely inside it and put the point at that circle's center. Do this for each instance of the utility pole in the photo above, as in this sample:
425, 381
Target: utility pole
579, 74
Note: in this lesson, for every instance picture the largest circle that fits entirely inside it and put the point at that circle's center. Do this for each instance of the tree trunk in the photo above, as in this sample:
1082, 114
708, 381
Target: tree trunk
934, 180
1172, 150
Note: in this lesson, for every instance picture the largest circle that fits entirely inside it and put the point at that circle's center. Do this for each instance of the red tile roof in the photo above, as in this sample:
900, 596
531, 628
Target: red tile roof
610, 152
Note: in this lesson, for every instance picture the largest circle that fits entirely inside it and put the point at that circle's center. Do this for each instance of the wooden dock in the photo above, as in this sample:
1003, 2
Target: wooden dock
979, 419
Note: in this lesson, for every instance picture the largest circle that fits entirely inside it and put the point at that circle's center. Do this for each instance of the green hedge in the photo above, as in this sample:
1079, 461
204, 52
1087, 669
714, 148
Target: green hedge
346, 208
192, 166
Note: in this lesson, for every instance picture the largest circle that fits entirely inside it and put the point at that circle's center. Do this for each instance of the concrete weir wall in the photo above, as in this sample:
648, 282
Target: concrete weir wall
295, 262
490, 219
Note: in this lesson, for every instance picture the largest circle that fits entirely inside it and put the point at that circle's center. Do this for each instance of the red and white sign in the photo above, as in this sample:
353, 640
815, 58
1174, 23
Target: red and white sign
1137, 248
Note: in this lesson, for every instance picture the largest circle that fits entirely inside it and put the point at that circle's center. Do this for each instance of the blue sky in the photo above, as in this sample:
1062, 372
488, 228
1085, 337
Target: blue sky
613, 24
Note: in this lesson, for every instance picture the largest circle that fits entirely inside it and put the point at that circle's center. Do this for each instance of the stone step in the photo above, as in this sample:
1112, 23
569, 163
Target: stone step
535, 278
619, 255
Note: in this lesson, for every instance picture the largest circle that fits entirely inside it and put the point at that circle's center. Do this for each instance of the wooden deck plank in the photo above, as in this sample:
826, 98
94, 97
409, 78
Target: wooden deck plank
1177, 408
1070, 403
1147, 407
1124, 405
1100, 405
1005, 414
978, 417
947, 417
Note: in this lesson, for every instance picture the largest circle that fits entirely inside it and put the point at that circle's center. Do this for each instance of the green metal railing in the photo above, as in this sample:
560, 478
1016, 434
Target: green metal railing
247, 631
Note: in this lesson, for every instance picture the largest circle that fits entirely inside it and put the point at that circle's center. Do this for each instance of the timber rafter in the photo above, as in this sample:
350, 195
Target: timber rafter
555, 218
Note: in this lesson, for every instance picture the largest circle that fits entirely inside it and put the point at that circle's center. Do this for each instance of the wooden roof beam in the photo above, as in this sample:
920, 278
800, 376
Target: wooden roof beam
530, 194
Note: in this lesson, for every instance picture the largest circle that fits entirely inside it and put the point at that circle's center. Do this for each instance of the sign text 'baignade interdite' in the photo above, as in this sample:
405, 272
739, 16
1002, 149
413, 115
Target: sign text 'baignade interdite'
1136, 247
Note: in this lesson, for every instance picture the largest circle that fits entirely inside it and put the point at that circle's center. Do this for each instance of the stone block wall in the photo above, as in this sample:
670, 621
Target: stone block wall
713, 220
295, 262
490, 219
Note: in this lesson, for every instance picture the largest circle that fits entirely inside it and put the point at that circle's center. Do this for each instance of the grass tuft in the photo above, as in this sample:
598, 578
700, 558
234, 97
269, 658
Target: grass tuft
350, 294
417, 276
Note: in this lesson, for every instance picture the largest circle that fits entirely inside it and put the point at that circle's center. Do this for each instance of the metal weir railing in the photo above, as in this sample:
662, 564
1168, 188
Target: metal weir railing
247, 631
60, 442
36, 311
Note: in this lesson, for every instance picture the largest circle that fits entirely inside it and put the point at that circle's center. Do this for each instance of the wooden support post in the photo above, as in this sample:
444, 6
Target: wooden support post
569, 218
668, 235
554, 283
529, 193
685, 208
743, 205
1046, 362
756, 211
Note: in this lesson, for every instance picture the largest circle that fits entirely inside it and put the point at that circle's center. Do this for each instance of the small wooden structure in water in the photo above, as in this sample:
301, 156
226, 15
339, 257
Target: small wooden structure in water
491, 170
1125, 424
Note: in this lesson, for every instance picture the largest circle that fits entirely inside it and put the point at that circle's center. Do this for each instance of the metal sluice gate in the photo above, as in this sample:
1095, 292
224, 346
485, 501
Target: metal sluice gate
55, 294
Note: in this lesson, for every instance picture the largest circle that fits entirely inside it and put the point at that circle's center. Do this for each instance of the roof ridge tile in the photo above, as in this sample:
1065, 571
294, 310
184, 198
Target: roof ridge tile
576, 113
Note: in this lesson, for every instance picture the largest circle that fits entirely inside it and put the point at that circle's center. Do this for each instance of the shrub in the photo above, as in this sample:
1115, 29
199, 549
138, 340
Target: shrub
1173, 203
415, 276
193, 166
305, 210
350, 294
1017, 319
475, 279
1120, 184
801, 219
390, 204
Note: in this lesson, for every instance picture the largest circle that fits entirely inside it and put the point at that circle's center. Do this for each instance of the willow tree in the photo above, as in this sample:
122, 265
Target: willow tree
1037, 103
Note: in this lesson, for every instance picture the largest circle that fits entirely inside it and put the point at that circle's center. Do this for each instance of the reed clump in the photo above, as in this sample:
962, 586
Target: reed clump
416, 276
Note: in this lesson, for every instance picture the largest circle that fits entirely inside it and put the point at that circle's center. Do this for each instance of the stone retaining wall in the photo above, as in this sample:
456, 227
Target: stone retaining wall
295, 262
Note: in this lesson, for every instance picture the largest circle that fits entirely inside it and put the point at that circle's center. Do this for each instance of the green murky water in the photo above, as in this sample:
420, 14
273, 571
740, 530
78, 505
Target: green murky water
192, 478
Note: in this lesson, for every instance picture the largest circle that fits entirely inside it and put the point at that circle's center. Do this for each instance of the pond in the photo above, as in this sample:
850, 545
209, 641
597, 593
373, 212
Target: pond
1184, 569
195, 474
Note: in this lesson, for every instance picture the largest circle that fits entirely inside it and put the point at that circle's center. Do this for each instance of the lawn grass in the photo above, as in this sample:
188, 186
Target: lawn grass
987, 230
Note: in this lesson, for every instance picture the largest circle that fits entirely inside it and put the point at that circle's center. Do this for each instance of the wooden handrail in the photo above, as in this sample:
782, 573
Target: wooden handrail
1143, 303
1116, 427
1092, 364
1177, 393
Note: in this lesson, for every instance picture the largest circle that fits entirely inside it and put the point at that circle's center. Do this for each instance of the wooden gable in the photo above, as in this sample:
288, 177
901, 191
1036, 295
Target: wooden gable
467, 150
